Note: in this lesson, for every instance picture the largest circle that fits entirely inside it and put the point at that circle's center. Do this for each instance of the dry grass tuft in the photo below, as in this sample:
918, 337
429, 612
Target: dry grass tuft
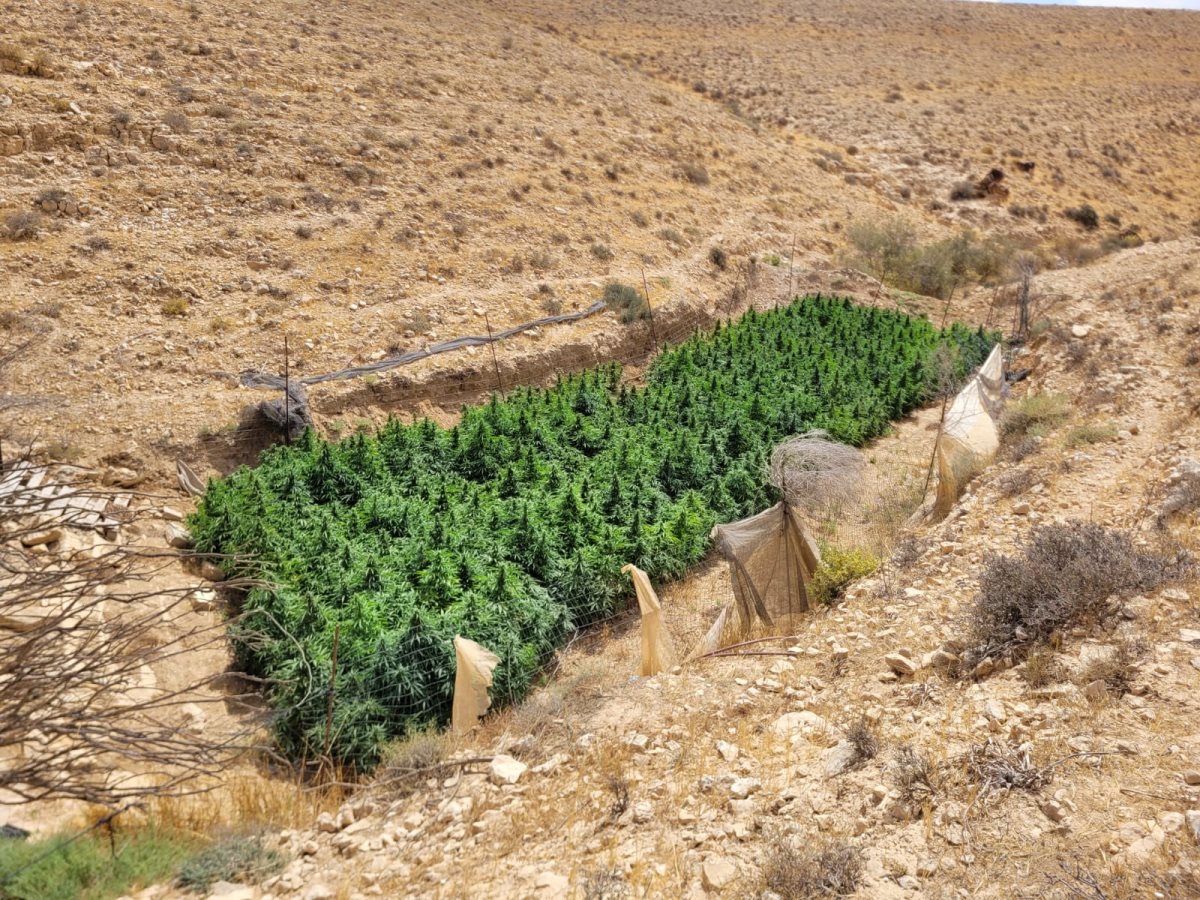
915, 776
1117, 668
833, 869
1041, 667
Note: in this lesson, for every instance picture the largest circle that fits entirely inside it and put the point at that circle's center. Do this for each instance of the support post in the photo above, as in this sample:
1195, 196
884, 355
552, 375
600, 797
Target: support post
337, 633
287, 395
492, 346
650, 310
791, 267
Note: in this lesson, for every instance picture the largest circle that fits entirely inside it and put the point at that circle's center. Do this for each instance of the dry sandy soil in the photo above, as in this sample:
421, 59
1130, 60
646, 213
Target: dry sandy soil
365, 179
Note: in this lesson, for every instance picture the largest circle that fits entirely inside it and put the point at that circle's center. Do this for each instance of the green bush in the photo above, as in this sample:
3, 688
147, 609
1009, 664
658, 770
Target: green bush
87, 869
233, 859
511, 527
892, 253
1081, 435
627, 300
1034, 415
838, 569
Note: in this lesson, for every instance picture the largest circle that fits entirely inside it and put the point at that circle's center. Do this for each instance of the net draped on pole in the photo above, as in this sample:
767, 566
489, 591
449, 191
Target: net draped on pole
970, 435
772, 559
657, 653
472, 678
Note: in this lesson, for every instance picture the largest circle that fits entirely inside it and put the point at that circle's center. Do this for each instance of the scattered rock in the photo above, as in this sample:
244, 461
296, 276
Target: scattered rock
1192, 777
38, 538
119, 476
551, 884
744, 787
1193, 823
839, 758
1096, 690
1053, 810
719, 872
225, 890
178, 537
506, 770
729, 752
319, 892
210, 571
204, 600
1170, 822
900, 664
643, 811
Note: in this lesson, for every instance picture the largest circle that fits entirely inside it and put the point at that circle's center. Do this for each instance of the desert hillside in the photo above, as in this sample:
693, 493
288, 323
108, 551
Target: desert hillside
196, 198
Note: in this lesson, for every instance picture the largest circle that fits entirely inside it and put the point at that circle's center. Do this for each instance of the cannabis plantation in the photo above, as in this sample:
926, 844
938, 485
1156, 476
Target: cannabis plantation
511, 527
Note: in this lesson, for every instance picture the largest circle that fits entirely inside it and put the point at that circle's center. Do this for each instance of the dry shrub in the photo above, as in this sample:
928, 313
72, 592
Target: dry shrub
1041, 667
23, 225
1117, 668
915, 776
1016, 481
1084, 215
1022, 447
1064, 577
908, 552
864, 740
1073, 881
414, 752
831, 869
605, 884
627, 300
997, 768
1083, 435
694, 173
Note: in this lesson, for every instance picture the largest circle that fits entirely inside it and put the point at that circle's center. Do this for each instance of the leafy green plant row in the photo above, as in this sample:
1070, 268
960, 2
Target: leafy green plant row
511, 527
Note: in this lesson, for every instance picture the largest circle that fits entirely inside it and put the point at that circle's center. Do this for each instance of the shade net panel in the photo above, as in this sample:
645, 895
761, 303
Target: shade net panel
771, 559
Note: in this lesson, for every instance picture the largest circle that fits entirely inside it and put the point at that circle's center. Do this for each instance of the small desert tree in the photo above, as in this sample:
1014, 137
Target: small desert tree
817, 474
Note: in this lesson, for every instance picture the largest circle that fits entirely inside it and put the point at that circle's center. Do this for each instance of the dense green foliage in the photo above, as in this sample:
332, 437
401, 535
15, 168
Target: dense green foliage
59, 868
511, 527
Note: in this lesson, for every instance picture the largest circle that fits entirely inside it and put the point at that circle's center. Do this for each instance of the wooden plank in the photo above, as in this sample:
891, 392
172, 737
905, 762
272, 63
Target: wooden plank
14, 477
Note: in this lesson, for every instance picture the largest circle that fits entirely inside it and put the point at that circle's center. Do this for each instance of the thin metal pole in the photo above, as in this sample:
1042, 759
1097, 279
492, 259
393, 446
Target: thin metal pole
287, 395
649, 309
492, 345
